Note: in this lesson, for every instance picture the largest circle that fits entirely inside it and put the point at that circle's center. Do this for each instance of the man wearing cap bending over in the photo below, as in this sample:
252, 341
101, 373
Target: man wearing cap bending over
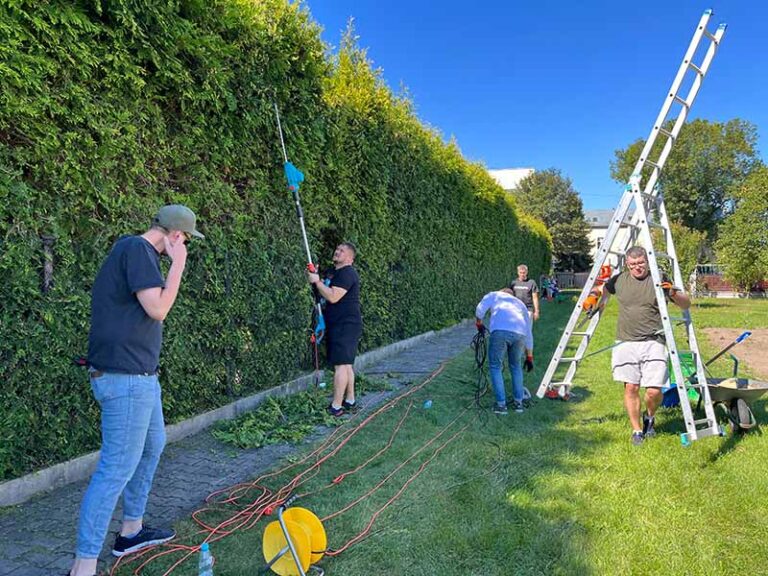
640, 360
129, 302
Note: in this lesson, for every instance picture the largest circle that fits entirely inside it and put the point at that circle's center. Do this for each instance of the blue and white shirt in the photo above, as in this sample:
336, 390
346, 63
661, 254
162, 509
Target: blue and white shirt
507, 313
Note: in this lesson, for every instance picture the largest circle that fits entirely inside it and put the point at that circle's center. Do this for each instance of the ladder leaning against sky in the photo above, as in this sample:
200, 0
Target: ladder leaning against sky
650, 213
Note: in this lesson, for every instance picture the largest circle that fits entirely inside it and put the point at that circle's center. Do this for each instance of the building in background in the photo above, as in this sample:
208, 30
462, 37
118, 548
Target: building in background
509, 178
598, 221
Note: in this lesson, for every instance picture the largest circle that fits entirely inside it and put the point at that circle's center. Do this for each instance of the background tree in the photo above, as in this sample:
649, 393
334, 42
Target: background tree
708, 161
742, 248
550, 196
690, 247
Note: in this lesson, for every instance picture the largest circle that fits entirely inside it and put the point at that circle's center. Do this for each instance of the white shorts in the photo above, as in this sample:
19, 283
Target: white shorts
643, 363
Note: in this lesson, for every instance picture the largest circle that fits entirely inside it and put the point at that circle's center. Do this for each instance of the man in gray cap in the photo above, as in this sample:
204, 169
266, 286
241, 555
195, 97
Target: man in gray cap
129, 302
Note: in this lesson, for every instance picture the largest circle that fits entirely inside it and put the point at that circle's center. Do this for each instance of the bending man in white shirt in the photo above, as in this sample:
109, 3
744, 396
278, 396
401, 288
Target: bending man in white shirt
510, 328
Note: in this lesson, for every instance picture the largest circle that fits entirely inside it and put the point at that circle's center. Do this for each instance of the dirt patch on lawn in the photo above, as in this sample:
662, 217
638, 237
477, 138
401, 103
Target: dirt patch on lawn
753, 351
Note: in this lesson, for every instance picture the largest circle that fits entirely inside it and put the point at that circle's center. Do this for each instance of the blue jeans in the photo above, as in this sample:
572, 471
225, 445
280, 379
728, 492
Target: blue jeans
132, 439
514, 345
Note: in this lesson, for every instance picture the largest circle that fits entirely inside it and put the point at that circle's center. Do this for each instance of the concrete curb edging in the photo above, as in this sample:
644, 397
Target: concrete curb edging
19, 490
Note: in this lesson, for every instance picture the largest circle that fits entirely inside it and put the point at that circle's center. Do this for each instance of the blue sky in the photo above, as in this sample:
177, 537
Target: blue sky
556, 84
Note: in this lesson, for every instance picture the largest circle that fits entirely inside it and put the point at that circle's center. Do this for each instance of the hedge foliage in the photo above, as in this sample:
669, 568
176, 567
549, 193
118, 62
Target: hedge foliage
112, 108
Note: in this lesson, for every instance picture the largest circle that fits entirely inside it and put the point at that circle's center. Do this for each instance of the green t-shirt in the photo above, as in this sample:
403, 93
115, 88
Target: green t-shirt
639, 316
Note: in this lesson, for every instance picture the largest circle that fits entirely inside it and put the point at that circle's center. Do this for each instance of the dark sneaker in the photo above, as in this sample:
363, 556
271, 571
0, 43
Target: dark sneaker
351, 407
637, 438
500, 409
517, 406
337, 412
146, 537
648, 430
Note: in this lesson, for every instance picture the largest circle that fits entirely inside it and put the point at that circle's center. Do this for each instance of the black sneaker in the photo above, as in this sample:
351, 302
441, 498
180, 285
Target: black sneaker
351, 407
336, 412
648, 430
517, 406
526, 398
637, 438
146, 537
500, 409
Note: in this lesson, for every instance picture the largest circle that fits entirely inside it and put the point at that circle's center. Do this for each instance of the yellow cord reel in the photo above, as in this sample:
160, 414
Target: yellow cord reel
307, 537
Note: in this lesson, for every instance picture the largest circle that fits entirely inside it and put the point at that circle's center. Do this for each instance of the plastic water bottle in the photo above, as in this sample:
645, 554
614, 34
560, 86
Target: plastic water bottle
427, 404
205, 564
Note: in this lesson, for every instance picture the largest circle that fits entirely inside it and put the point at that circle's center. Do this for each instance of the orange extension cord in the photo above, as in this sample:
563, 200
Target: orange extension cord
253, 511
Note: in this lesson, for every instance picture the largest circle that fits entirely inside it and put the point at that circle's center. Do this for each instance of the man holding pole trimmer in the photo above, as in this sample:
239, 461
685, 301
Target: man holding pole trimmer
344, 325
640, 361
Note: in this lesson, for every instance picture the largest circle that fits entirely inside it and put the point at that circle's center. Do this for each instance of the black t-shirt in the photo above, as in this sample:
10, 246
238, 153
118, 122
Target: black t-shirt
524, 290
123, 337
346, 310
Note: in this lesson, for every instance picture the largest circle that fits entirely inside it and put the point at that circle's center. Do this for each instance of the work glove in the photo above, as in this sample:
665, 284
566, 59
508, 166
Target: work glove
480, 326
528, 364
669, 289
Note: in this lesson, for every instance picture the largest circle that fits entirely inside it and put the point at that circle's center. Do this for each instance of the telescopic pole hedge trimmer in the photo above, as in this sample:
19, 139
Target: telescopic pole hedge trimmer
295, 178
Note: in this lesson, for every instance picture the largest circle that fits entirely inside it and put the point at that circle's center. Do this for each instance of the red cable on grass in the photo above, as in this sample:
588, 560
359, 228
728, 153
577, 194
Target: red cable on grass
375, 515
268, 500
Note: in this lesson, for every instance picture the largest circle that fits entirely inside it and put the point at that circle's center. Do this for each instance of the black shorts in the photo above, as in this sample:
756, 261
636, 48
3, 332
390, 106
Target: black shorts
341, 343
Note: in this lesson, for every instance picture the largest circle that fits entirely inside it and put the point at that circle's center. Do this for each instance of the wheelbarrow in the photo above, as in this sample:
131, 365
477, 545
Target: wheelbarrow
730, 395
733, 396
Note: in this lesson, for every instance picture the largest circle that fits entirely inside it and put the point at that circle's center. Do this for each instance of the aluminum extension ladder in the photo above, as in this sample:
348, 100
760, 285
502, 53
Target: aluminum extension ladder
650, 213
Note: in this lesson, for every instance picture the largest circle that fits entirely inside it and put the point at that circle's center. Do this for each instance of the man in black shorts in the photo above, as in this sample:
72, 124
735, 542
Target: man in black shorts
344, 325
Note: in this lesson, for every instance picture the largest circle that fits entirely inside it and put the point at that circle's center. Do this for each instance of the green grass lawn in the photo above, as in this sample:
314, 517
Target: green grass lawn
556, 490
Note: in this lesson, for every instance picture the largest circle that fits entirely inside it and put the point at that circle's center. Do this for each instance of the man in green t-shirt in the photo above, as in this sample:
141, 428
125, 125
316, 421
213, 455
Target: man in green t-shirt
640, 360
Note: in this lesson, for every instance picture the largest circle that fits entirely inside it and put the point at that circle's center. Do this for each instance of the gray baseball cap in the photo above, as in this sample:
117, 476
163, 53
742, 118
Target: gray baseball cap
177, 217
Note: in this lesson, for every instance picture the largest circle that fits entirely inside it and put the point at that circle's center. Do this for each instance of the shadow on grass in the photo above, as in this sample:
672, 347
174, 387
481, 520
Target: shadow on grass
709, 304
673, 423
732, 440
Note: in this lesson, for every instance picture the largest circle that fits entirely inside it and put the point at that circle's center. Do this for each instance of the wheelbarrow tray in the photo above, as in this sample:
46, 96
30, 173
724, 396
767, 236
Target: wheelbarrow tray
727, 389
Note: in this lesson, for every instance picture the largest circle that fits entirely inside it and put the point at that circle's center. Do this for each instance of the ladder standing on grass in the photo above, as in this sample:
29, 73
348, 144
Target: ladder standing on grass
650, 213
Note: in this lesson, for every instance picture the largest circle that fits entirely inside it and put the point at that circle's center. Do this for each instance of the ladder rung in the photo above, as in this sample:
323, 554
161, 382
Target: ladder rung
667, 133
711, 36
657, 225
695, 68
702, 421
682, 101
587, 334
652, 163
678, 319
558, 384
660, 254
709, 431
570, 359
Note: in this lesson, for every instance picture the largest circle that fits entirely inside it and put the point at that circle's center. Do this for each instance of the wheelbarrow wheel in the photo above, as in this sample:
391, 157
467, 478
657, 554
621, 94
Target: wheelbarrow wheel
741, 416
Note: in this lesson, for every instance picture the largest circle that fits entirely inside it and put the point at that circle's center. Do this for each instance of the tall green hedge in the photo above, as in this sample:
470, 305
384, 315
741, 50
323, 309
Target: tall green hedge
111, 108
